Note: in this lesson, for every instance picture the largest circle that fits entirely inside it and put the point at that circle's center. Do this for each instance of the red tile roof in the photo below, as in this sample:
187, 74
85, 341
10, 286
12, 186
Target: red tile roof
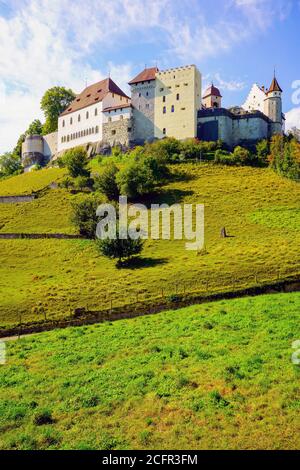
119, 106
94, 94
212, 91
274, 86
145, 76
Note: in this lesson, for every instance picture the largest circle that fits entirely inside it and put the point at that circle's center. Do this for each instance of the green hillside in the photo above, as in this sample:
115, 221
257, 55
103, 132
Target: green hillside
215, 376
256, 206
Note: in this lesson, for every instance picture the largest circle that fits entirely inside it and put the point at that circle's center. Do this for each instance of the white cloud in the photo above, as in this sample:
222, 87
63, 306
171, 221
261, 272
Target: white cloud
293, 118
56, 42
230, 85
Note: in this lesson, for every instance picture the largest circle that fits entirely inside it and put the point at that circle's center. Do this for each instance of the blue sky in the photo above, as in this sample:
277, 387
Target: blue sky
62, 42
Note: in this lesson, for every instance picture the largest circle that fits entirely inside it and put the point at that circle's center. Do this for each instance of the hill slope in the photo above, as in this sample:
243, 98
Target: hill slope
215, 376
255, 205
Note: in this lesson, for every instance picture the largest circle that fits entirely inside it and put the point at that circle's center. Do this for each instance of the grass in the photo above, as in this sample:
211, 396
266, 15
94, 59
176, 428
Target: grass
215, 376
30, 182
63, 274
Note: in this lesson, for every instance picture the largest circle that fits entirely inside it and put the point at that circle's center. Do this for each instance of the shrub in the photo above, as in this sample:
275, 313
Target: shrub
120, 249
76, 161
83, 182
135, 179
10, 164
107, 182
241, 155
262, 152
67, 183
285, 156
84, 216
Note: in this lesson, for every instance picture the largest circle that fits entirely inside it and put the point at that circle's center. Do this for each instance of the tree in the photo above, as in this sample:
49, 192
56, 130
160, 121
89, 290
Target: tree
107, 182
9, 164
135, 179
35, 128
53, 103
120, 249
262, 152
76, 161
84, 216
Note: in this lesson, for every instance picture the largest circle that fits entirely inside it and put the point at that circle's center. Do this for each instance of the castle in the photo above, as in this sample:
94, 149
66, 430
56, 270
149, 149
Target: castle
162, 103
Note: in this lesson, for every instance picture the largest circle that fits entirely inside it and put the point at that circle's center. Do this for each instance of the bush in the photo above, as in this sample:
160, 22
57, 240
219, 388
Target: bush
285, 157
10, 164
241, 156
83, 182
76, 161
120, 249
262, 152
107, 182
84, 216
67, 183
135, 179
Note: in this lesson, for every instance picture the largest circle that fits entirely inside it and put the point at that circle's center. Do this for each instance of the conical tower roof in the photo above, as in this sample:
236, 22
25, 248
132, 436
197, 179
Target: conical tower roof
274, 86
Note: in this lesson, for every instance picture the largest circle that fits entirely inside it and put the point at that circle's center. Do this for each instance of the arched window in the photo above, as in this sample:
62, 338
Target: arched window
71, 121
63, 123
79, 118
97, 129
87, 114
96, 112
68, 138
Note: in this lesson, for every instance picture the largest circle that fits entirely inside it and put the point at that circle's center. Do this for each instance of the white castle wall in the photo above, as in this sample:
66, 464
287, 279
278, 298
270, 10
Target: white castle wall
255, 100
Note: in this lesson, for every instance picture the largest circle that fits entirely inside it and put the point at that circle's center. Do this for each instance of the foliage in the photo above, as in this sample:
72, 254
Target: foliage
284, 157
262, 152
120, 249
107, 182
82, 183
35, 128
76, 161
10, 164
135, 179
188, 386
84, 215
53, 103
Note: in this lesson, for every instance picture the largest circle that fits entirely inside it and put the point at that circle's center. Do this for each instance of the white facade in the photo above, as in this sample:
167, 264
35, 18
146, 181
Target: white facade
255, 100
117, 114
85, 125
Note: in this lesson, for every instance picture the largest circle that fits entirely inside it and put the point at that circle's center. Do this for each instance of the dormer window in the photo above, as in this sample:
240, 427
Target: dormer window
88, 96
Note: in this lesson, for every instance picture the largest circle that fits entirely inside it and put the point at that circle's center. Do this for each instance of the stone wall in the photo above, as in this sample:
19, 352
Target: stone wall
142, 99
16, 199
118, 132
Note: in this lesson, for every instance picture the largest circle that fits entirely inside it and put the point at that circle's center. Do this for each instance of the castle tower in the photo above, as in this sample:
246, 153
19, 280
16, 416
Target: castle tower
212, 98
273, 107
142, 99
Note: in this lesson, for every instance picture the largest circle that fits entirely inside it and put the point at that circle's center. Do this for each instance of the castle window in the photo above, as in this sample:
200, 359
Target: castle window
182, 109
79, 118
140, 94
96, 112
147, 106
68, 138
161, 90
113, 95
147, 94
63, 124
164, 110
113, 132
71, 121
62, 139
172, 108
177, 96
164, 99
129, 129
164, 131
186, 84
97, 129
87, 114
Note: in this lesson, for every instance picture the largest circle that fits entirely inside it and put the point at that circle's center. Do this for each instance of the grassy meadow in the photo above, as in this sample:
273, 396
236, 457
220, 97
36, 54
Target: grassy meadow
259, 209
213, 376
